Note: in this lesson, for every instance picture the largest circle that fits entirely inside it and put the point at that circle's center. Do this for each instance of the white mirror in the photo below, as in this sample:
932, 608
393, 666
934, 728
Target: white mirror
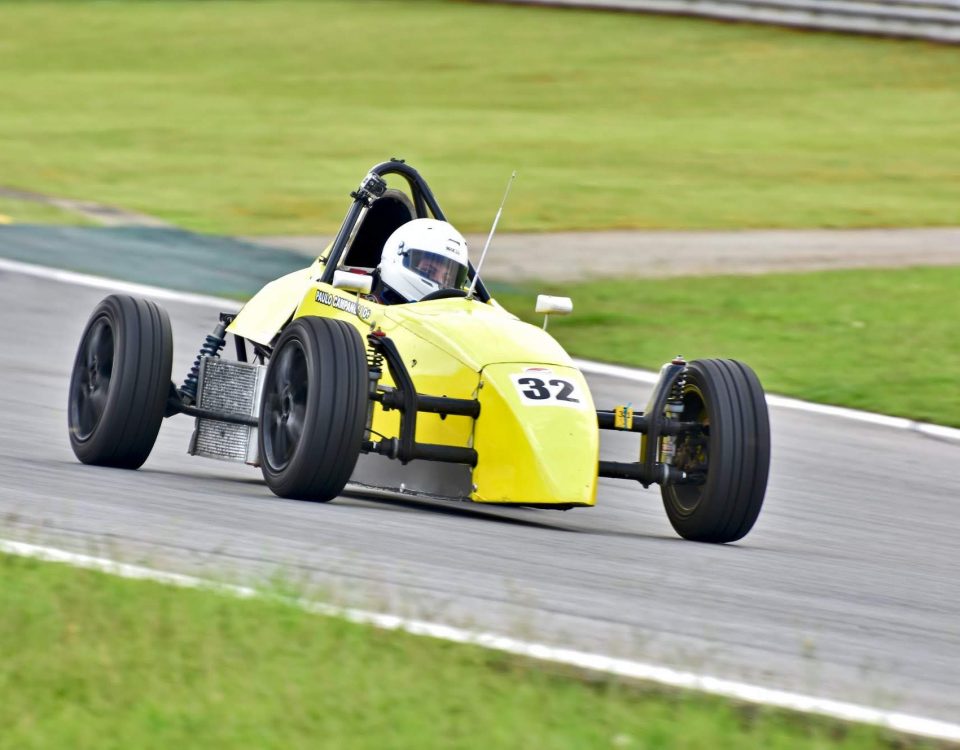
352, 282
554, 305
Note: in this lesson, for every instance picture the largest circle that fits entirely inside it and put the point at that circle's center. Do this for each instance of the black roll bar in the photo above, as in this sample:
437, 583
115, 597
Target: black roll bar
370, 189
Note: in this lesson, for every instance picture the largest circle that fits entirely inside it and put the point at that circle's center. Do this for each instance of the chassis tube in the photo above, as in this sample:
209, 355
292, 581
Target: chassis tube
450, 454
178, 407
662, 474
641, 424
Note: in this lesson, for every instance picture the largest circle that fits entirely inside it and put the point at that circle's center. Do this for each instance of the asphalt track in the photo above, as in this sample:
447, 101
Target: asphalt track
847, 588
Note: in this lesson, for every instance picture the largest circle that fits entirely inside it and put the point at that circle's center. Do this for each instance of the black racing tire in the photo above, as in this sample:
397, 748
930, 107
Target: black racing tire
725, 395
314, 409
120, 382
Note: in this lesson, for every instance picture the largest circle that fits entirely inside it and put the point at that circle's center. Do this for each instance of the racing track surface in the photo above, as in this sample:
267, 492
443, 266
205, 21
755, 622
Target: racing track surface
847, 587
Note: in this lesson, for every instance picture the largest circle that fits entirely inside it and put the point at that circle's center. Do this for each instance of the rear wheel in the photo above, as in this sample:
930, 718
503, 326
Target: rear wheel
120, 382
314, 409
733, 452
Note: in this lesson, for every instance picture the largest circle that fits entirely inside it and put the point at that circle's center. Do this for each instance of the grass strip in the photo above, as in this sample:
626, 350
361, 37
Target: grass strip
880, 340
30, 212
91, 660
250, 117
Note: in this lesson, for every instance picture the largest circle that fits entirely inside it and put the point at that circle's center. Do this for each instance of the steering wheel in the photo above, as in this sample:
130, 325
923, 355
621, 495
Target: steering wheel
443, 294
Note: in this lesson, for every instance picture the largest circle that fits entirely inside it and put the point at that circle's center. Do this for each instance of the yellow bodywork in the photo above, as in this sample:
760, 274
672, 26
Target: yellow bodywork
531, 450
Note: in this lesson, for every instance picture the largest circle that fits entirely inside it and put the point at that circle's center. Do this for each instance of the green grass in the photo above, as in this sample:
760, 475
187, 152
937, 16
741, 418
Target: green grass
259, 117
92, 661
29, 212
885, 341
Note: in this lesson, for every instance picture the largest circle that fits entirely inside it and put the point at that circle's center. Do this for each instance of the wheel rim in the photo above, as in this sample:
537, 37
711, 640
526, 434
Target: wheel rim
285, 405
692, 450
94, 371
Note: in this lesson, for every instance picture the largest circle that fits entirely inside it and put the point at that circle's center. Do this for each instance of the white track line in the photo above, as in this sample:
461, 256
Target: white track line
114, 285
588, 366
740, 691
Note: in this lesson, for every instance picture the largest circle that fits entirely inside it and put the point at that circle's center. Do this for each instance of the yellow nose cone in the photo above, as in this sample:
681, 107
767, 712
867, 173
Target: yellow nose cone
536, 437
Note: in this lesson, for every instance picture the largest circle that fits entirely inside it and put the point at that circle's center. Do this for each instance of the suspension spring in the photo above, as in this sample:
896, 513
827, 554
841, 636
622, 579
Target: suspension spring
211, 347
374, 372
673, 411
676, 391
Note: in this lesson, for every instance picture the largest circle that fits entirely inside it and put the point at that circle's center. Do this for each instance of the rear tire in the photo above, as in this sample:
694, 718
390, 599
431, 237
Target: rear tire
725, 395
314, 409
120, 382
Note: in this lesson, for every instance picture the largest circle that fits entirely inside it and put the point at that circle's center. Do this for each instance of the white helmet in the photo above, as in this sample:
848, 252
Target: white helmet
422, 256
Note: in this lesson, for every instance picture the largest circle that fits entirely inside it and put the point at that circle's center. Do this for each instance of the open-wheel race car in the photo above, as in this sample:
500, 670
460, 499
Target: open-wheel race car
338, 378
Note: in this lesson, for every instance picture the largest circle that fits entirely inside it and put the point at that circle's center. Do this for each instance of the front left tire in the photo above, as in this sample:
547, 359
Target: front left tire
314, 409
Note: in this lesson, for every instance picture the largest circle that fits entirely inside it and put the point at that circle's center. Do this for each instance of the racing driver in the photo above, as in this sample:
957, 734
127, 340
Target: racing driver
421, 257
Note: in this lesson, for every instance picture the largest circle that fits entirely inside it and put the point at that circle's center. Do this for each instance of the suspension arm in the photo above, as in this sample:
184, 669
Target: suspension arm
662, 474
390, 398
405, 399
176, 405
606, 420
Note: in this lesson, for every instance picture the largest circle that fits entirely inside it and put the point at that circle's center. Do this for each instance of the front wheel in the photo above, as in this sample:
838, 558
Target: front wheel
314, 409
733, 452
120, 382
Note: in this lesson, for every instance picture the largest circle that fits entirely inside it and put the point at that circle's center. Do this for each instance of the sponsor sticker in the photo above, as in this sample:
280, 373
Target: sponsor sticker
343, 303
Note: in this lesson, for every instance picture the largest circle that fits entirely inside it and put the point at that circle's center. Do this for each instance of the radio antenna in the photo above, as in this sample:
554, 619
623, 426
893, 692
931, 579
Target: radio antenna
496, 219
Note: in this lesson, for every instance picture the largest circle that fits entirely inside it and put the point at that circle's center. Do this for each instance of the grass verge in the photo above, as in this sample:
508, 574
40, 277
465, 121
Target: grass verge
255, 117
30, 212
96, 661
883, 340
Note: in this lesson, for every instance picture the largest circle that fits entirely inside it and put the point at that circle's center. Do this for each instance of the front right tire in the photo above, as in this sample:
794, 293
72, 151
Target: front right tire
120, 382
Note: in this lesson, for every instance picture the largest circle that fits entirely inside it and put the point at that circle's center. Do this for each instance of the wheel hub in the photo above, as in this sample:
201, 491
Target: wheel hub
92, 375
286, 404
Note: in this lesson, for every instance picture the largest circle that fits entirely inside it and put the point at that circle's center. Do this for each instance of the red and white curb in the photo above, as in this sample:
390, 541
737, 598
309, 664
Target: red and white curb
635, 670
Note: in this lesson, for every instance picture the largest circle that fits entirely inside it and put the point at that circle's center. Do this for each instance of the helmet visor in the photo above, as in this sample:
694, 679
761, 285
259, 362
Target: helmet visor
440, 269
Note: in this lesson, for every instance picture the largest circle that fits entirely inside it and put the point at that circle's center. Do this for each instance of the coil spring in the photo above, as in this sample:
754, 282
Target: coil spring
673, 410
211, 347
676, 391
374, 360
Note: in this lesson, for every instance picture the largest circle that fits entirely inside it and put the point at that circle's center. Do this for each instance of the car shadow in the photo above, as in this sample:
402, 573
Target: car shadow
460, 509
506, 515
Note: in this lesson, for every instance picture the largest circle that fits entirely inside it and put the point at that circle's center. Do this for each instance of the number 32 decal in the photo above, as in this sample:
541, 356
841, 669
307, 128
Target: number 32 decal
546, 389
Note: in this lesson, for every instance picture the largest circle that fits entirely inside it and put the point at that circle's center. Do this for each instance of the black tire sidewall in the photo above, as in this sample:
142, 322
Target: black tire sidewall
336, 409
139, 383
739, 454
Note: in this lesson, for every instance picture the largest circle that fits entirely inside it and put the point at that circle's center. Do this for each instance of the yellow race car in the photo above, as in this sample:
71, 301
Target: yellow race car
449, 396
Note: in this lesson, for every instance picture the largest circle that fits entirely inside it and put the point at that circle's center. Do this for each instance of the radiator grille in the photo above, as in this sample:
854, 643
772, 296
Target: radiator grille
232, 387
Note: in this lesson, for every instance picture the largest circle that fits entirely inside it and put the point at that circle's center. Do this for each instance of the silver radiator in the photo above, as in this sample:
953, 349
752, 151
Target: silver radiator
233, 387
